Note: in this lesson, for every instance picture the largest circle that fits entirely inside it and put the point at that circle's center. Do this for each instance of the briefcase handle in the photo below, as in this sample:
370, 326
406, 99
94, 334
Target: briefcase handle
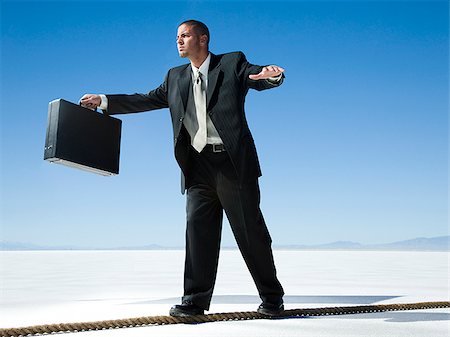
93, 109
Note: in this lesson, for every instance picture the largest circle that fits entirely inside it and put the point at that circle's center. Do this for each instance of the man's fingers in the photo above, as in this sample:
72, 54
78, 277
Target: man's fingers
267, 72
85, 98
275, 69
88, 98
90, 101
255, 76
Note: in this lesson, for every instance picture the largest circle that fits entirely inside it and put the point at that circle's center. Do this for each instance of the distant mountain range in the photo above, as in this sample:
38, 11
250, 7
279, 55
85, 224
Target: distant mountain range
441, 243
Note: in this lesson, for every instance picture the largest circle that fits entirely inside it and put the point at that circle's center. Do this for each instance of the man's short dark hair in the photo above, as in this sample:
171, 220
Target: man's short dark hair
199, 27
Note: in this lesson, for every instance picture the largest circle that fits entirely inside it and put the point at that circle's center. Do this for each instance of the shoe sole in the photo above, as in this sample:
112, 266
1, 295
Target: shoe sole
270, 313
182, 314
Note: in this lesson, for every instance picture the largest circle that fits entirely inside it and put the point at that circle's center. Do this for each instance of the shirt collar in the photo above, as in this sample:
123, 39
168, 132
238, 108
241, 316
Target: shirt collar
204, 67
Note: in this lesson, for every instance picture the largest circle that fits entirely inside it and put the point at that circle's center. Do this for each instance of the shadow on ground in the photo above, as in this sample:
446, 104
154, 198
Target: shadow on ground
253, 299
402, 316
304, 301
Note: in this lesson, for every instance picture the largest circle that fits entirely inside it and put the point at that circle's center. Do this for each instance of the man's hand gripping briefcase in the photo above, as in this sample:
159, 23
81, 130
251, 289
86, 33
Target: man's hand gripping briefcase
82, 138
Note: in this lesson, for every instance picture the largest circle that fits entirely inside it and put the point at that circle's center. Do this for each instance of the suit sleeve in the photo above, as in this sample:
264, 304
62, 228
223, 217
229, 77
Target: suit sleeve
155, 99
244, 69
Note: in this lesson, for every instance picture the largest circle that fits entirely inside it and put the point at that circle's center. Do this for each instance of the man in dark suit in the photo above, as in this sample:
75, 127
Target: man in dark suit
217, 156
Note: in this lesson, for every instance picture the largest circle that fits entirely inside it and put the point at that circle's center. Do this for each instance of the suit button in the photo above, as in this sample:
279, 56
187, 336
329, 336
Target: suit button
181, 119
175, 139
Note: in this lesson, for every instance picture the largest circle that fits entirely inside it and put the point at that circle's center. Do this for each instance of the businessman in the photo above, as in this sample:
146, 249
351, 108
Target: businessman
217, 156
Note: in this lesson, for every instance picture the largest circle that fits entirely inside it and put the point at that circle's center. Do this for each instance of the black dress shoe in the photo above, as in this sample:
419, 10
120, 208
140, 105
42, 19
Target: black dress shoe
187, 308
270, 309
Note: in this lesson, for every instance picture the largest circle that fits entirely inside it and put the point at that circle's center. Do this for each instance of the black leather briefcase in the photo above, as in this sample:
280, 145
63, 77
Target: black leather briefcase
82, 138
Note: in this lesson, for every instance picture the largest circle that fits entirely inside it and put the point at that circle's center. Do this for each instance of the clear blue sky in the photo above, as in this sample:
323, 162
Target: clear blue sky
353, 146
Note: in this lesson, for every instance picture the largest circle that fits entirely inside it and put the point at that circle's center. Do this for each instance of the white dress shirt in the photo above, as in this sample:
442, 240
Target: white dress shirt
212, 136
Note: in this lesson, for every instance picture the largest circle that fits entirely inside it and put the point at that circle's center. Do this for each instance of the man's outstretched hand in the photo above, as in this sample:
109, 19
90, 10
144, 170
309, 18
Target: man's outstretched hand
267, 72
91, 101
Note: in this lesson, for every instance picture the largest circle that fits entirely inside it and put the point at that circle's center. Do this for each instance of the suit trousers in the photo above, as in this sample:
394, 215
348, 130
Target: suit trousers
213, 187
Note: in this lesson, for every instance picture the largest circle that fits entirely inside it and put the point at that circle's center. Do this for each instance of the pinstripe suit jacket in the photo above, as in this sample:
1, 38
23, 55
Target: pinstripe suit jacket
228, 84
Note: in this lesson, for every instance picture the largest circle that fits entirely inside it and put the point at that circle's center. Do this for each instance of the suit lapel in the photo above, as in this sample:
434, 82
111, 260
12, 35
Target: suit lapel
185, 81
213, 75
183, 86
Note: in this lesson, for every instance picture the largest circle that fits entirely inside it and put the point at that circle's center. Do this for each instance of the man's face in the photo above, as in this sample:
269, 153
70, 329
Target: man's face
188, 43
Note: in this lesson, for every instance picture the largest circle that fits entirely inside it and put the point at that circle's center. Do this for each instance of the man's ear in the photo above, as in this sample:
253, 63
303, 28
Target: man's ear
204, 39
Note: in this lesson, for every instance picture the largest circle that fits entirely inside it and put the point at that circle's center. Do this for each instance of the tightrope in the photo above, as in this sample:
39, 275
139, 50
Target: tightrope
231, 316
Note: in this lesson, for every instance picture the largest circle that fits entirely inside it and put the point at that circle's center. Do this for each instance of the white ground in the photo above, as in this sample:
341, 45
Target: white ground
72, 286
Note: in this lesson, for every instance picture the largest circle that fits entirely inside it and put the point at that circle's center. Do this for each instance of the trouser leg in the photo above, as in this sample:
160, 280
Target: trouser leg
204, 215
241, 205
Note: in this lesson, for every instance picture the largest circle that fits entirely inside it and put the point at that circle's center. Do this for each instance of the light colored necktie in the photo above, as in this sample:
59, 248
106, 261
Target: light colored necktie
199, 140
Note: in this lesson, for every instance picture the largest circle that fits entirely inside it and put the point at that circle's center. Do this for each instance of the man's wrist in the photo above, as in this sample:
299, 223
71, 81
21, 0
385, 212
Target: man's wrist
275, 79
104, 104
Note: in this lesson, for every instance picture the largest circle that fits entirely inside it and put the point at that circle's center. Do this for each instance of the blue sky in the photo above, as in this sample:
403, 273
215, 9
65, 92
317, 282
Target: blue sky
353, 146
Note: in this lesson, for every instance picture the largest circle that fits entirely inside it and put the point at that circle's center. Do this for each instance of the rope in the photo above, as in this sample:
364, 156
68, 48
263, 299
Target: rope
231, 316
